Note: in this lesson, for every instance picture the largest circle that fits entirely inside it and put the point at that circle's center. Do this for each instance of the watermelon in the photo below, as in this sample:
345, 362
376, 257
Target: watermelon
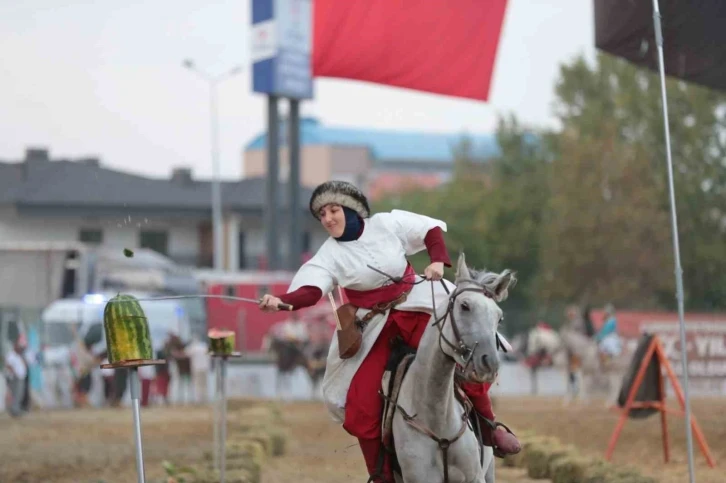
221, 341
127, 330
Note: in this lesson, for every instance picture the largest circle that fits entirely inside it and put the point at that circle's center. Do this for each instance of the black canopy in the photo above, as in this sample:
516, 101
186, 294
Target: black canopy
694, 36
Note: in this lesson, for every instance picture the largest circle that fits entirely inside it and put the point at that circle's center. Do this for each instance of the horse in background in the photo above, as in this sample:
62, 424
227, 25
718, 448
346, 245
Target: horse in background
294, 346
587, 372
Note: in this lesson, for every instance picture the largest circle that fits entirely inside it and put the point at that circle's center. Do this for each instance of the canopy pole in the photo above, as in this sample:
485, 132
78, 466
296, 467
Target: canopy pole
676, 248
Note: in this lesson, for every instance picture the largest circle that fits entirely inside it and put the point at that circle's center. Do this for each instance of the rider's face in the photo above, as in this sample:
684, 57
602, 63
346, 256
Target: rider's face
333, 219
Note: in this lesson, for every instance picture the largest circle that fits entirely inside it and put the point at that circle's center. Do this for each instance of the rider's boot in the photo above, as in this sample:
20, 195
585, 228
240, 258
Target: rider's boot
494, 434
377, 460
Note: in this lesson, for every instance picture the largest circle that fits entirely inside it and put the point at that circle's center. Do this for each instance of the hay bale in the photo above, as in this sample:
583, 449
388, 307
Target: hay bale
245, 449
535, 460
519, 460
246, 455
258, 436
571, 468
601, 472
629, 475
278, 440
256, 414
540, 456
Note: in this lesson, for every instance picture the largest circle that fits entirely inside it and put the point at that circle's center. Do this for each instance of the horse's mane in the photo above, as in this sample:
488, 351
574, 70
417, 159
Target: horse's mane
491, 280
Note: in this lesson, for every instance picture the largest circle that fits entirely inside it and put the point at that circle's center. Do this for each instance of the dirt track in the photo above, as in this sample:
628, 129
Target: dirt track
96, 445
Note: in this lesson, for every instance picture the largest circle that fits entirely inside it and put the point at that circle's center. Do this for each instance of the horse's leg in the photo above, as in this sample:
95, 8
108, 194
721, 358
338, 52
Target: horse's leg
568, 388
489, 476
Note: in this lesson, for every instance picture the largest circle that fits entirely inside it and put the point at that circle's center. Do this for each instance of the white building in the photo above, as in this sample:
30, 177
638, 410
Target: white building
46, 200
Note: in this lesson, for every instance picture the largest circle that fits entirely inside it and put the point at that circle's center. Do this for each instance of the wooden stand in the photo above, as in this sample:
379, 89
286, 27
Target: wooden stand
133, 367
655, 349
220, 413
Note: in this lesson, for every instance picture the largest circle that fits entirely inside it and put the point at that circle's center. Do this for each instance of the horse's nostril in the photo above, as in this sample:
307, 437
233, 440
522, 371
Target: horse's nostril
484, 361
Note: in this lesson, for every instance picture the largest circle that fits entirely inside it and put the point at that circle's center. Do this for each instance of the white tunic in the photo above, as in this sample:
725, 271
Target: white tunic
386, 240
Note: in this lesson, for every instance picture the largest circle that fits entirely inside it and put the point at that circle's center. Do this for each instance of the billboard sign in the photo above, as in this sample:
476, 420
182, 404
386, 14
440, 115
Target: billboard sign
281, 48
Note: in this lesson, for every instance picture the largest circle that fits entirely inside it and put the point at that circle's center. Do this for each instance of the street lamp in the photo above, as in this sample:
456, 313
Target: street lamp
216, 191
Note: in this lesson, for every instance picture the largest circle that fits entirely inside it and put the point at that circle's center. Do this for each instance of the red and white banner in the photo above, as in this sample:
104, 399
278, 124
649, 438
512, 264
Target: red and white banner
439, 46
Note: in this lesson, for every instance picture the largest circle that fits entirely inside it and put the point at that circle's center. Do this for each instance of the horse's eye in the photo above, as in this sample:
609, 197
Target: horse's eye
465, 306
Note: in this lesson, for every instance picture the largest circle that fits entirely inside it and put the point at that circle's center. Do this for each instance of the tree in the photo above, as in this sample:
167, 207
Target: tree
610, 113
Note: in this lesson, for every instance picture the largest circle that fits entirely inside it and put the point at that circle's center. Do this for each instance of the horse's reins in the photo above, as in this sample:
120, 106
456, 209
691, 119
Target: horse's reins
459, 347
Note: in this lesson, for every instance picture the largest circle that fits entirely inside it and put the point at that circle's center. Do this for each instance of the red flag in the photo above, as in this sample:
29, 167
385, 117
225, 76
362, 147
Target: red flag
440, 46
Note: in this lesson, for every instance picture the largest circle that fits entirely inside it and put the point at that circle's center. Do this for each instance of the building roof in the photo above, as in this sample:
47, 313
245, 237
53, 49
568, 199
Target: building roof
63, 183
386, 145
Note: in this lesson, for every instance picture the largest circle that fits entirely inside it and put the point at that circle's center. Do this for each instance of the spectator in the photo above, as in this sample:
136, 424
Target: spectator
198, 353
16, 371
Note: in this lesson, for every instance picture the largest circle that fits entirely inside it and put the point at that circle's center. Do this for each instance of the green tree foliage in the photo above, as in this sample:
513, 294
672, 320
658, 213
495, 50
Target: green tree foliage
613, 136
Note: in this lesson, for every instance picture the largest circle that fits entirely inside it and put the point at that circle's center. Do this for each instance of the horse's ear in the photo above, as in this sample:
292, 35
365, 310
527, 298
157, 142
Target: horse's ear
504, 282
462, 271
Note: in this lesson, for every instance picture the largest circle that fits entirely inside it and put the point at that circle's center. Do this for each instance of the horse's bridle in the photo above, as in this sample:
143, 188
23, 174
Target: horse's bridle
458, 346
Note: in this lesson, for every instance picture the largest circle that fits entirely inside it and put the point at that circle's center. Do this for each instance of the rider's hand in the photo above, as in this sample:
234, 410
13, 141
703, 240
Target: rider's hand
435, 271
269, 303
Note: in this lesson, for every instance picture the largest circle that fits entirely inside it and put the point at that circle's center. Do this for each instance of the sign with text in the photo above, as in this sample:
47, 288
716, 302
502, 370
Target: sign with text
705, 349
281, 48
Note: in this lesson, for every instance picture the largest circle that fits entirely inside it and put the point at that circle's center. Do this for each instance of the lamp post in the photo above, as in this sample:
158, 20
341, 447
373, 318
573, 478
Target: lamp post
216, 191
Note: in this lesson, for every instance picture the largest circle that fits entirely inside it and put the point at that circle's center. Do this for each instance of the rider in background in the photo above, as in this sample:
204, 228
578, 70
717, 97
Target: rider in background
383, 240
607, 338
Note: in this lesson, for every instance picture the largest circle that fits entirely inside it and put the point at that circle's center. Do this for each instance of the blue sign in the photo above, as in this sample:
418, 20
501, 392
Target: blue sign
282, 47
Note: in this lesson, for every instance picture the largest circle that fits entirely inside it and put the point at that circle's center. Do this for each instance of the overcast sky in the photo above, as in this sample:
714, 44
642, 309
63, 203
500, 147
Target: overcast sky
105, 78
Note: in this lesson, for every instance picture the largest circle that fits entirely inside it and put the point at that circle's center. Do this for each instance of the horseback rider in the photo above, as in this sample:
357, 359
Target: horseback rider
358, 241
608, 340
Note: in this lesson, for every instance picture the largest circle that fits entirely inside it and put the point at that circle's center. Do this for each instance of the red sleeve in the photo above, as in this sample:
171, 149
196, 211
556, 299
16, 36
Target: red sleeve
303, 297
436, 247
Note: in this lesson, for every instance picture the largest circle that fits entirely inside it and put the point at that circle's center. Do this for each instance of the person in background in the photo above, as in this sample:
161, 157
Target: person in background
147, 375
109, 384
197, 352
163, 376
16, 371
175, 349
607, 338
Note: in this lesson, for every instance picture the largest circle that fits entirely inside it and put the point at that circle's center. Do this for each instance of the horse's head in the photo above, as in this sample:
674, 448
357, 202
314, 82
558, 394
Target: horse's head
475, 317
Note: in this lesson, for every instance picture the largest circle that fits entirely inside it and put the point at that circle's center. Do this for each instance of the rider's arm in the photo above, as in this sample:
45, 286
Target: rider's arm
436, 247
313, 280
306, 296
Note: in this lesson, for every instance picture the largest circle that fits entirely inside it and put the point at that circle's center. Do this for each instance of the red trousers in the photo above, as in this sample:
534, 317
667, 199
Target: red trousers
364, 406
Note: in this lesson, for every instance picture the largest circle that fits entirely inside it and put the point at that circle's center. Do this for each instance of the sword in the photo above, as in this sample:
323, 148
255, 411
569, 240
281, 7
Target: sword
287, 307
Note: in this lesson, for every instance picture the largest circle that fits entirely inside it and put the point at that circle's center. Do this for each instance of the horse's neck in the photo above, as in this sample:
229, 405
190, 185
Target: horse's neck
433, 381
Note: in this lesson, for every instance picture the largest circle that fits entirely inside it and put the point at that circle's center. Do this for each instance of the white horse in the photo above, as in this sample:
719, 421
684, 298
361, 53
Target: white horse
464, 333
579, 357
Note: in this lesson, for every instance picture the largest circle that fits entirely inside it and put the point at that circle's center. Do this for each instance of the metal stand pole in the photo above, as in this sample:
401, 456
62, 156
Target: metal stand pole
271, 196
135, 390
293, 181
676, 249
216, 190
215, 425
223, 419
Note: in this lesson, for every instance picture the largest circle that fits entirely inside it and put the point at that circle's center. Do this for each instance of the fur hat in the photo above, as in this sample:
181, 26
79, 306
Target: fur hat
341, 193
